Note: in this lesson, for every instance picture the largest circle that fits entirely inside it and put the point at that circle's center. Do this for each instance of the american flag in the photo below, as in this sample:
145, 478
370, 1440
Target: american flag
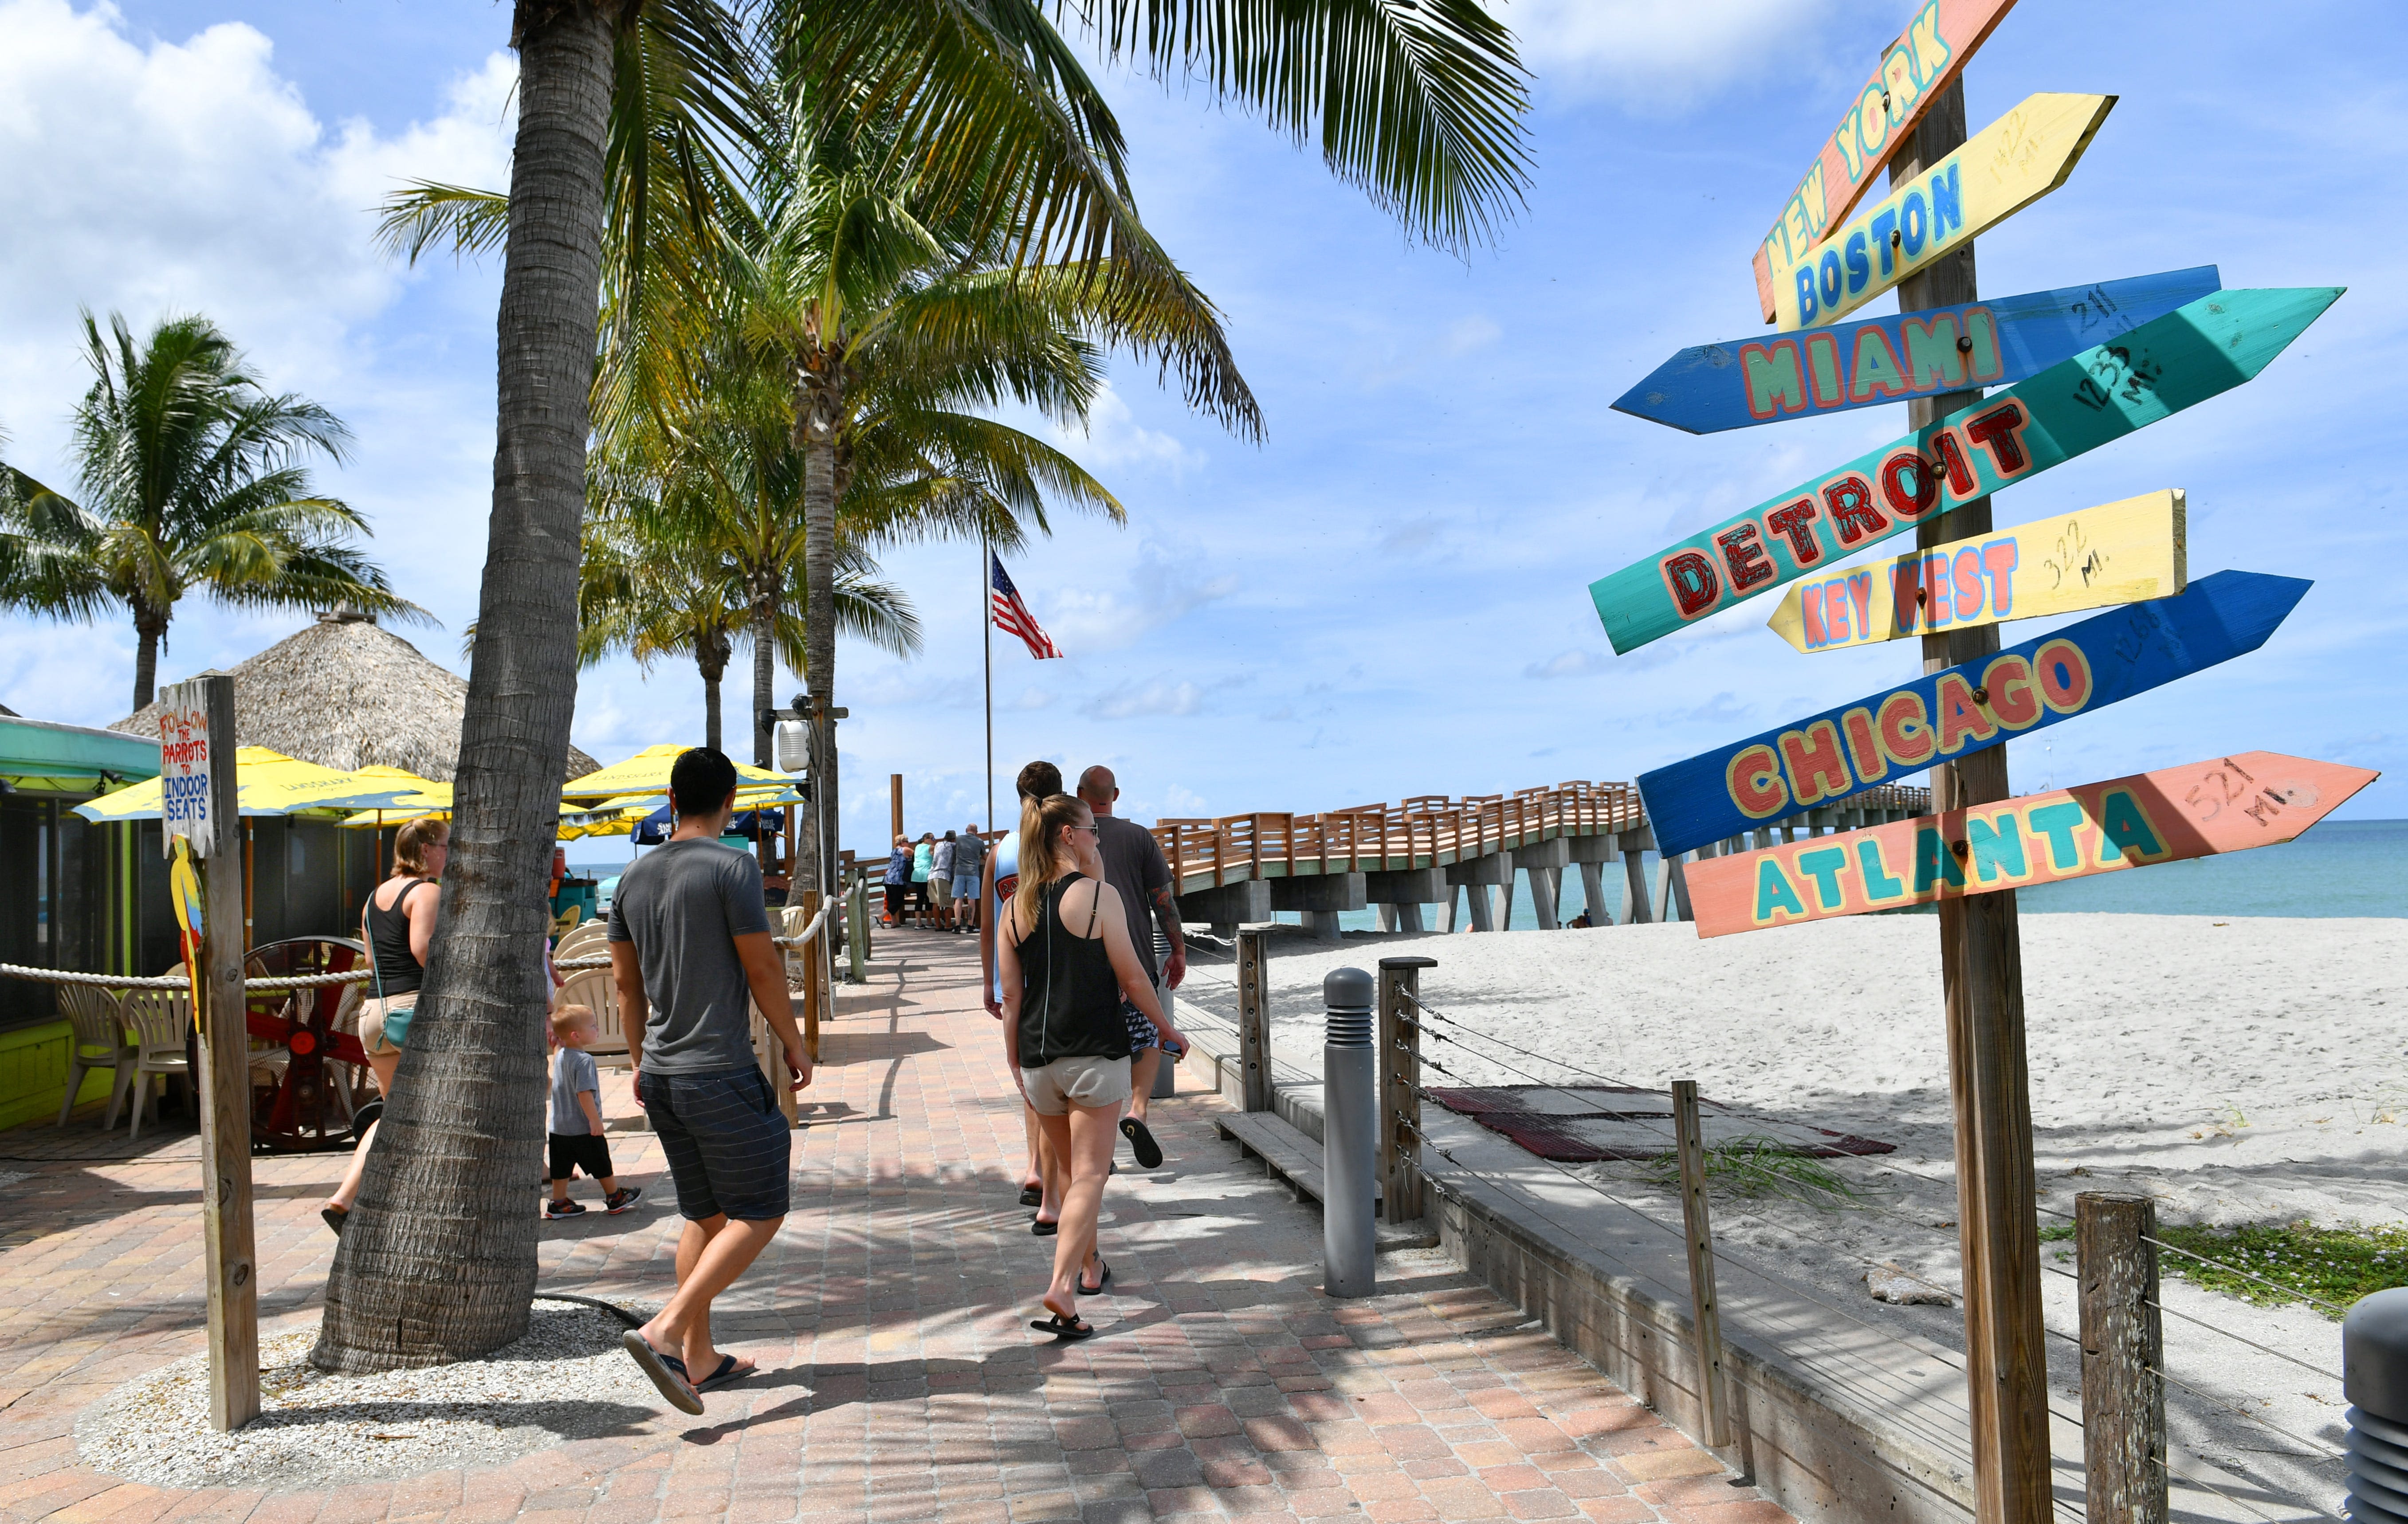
1012, 617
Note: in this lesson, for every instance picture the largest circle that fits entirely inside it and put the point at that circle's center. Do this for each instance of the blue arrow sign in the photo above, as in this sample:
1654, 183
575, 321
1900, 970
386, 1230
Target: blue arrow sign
1712, 387
1942, 716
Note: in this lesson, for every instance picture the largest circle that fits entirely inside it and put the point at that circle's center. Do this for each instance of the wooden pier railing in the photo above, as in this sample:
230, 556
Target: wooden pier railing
1423, 831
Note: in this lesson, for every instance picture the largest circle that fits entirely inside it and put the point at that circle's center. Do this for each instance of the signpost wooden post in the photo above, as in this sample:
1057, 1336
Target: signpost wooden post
198, 761
2119, 553
2171, 815
1943, 718
2016, 160
1914, 72
1961, 448
1871, 362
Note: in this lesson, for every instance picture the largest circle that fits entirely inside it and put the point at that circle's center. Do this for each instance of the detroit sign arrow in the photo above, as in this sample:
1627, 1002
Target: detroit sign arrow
2117, 554
1708, 388
2003, 168
2223, 804
1942, 716
2106, 392
1912, 72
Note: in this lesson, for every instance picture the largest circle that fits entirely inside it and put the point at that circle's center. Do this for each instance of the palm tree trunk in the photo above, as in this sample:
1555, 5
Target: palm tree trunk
765, 675
815, 416
439, 1260
711, 709
148, 631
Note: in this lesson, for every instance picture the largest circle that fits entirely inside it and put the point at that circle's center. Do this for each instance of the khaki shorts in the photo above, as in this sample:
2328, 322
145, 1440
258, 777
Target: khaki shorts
940, 887
1076, 1082
372, 1014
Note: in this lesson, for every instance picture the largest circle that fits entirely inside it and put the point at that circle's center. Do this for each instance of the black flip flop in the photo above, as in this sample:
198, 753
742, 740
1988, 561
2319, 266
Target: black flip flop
666, 1371
335, 1216
725, 1375
1042, 1229
1101, 1281
1149, 1153
1032, 1196
1064, 1331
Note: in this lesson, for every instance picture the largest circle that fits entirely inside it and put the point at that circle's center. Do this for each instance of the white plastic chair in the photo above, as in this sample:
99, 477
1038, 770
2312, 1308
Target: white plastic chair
157, 1021
593, 988
586, 941
99, 1043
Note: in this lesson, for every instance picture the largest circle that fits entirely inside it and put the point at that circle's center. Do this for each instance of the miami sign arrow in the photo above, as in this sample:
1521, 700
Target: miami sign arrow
1912, 72
2223, 804
1708, 388
1942, 716
2108, 391
2119, 553
2003, 168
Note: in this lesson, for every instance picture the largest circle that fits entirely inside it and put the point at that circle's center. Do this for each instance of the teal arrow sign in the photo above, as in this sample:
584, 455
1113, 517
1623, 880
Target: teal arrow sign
2106, 392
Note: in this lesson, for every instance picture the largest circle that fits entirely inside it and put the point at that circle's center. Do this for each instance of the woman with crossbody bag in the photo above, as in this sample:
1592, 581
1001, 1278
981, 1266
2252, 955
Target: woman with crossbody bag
398, 925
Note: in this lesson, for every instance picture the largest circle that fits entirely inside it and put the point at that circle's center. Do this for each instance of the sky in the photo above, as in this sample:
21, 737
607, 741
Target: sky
1387, 595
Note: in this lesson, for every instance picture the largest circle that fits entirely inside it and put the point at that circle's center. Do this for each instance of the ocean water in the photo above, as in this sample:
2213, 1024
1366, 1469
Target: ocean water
2339, 868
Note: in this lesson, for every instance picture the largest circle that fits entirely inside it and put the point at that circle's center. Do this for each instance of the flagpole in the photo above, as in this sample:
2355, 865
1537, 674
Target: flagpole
986, 629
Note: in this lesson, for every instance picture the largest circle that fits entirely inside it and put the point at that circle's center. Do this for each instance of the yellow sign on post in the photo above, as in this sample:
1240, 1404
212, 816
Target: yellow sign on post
2123, 552
2011, 164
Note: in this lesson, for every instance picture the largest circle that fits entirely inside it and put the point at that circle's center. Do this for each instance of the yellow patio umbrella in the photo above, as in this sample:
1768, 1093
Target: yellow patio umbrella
267, 783
648, 773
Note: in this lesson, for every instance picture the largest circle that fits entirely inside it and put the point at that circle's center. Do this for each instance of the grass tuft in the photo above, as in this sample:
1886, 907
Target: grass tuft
2337, 1265
1757, 1166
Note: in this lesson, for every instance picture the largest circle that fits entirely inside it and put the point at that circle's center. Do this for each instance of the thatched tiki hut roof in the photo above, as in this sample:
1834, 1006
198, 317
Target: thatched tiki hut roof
344, 693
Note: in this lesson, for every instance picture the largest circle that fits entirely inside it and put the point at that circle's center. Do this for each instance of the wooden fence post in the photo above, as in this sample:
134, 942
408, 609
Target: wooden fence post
814, 976
2123, 1347
1254, 1017
224, 1046
1714, 1416
1401, 1088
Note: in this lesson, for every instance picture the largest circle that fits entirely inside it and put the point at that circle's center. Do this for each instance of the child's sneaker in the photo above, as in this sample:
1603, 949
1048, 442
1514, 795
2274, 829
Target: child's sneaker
562, 1208
622, 1198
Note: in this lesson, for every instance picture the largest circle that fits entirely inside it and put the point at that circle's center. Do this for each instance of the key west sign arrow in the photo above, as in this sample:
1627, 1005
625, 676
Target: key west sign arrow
2119, 553
2223, 804
2198, 350
1941, 716
1708, 388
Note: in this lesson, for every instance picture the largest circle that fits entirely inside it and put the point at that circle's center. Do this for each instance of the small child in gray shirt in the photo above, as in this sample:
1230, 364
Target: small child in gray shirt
575, 1128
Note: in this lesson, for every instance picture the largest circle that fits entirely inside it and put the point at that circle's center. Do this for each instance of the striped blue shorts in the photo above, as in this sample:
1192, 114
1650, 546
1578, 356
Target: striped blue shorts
727, 1143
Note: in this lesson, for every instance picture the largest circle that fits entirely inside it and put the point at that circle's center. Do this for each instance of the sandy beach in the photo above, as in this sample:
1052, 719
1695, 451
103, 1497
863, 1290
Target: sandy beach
2246, 1071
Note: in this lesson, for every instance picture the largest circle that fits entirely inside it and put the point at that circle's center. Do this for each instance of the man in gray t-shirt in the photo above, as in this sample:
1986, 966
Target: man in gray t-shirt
689, 944
1134, 866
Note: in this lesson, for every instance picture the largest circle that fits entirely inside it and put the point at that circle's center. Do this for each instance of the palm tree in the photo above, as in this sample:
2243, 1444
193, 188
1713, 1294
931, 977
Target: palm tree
1419, 102
191, 479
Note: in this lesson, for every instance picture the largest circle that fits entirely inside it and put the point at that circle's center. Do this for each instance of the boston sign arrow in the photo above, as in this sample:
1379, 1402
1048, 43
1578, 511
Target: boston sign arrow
1912, 72
2106, 392
2003, 168
1941, 716
2223, 804
2119, 553
1709, 388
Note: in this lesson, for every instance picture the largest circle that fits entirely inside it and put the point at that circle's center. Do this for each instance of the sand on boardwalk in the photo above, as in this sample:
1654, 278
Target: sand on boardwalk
2248, 1071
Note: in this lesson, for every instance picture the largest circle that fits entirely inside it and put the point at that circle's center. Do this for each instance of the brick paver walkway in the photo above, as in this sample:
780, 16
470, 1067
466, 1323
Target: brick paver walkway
900, 1381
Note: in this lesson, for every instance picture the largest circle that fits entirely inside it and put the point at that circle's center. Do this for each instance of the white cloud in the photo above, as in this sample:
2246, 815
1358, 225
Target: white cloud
1651, 53
1577, 662
1114, 437
1465, 334
1159, 697
1167, 583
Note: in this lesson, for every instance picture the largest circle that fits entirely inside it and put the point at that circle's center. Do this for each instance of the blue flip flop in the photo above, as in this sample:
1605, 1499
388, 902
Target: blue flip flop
667, 1372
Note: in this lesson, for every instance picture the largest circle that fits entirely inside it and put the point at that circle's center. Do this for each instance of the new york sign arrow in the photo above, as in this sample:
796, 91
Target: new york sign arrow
2198, 350
1941, 716
2223, 804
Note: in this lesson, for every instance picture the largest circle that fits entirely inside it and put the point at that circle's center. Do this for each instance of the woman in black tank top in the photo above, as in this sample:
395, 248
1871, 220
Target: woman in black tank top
398, 924
1065, 959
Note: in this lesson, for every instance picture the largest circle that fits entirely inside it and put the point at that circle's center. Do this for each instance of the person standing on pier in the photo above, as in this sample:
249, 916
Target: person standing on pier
1067, 962
689, 941
969, 861
1040, 1185
1134, 864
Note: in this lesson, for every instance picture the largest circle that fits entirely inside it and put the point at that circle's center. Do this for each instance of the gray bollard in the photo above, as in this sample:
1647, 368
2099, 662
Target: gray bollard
1350, 1136
2374, 1382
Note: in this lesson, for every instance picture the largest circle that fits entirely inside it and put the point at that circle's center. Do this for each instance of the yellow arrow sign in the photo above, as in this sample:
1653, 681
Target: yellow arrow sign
2123, 552
2011, 164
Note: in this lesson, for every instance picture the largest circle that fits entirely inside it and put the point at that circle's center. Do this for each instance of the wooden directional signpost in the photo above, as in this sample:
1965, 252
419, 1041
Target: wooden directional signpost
2119, 553
1708, 388
2170, 341
1946, 716
1914, 72
2169, 363
2223, 804
2016, 160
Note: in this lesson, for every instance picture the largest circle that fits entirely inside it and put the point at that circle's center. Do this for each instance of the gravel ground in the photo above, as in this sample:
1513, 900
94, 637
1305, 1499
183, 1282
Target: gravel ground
568, 1378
